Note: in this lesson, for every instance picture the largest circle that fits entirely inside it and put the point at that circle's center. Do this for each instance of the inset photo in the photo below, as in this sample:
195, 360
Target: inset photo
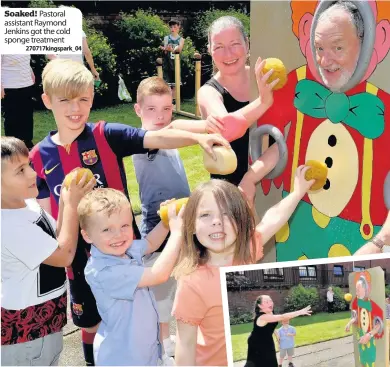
325, 313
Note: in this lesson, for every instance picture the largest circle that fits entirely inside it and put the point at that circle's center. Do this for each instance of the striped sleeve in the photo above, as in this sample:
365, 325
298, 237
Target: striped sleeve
37, 165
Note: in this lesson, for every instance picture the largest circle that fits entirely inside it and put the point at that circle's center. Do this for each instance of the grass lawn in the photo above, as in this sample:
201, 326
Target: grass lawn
317, 328
124, 113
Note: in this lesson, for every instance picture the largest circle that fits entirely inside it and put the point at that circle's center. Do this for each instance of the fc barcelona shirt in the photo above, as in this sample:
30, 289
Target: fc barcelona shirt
101, 147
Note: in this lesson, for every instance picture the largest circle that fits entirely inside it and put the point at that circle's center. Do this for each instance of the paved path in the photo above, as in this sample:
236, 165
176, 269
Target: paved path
334, 353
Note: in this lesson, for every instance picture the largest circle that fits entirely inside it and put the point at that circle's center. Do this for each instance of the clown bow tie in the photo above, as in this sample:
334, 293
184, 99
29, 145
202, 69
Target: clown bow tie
363, 112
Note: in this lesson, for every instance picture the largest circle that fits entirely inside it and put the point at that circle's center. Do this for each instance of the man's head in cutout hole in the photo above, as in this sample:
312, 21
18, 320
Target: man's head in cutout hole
303, 14
338, 37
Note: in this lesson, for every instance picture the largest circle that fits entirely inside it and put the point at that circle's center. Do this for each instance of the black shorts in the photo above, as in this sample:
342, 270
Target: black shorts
83, 304
169, 71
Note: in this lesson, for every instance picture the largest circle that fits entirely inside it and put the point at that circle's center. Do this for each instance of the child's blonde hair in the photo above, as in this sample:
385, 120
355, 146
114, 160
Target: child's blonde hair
66, 78
230, 200
100, 200
152, 86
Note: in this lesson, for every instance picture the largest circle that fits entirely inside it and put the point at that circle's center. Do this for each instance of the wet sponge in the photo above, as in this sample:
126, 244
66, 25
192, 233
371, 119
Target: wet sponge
279, 72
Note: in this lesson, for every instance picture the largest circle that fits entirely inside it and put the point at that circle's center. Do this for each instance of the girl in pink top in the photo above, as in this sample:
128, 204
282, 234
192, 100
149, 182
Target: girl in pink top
219, 230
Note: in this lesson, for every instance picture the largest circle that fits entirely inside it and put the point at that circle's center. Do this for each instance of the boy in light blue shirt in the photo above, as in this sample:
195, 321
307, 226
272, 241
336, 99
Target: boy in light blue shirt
286, 335
129, 331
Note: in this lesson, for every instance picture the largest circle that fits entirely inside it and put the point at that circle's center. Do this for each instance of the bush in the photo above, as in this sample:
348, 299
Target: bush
103, 58
137, 44
41, 4
203, 20
339, 302
299, 297
237, 317
38, 62
387, 291
105, 63
236, 281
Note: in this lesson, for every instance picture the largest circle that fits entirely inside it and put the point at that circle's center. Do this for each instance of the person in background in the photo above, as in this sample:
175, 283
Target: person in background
285, 336
330, 300
85, 53
17, 85
173, 43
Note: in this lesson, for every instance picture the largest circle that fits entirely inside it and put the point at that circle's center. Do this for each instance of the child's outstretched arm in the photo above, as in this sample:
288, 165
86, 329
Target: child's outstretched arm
186, 338
162, 268
171, 139
156, 237
257, 171
67, 223
266, 318
279, 214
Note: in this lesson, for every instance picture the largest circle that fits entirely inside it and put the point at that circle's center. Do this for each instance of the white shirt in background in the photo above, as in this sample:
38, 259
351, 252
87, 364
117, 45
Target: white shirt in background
75, 57
329, 296
16, 71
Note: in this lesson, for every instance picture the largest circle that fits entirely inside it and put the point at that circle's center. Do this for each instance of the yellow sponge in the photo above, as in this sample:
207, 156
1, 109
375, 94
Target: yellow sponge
279, 72
318, 171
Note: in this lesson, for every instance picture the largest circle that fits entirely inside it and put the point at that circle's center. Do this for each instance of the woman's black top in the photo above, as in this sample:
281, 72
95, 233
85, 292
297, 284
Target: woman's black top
261, 346
241, 145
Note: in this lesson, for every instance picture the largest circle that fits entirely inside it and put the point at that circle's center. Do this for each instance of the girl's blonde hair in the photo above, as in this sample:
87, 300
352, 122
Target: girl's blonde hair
230, 200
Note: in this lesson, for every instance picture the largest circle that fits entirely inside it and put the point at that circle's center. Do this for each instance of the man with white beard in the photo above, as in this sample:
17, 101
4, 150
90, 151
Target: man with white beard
338, 37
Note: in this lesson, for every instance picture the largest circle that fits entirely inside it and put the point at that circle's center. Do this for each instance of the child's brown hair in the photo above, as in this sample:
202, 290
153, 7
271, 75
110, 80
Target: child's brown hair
230, 200
152, 86
12, 148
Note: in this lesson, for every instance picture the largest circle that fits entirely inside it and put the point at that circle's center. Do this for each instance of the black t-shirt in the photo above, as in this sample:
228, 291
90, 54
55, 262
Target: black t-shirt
241, 145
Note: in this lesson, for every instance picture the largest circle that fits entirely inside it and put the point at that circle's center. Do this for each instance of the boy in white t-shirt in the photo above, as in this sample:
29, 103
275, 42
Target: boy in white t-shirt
33, 257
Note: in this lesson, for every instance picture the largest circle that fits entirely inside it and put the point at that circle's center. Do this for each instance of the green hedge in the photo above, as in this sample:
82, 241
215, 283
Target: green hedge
103, 56
105, 63
137, 42
300, 297
240, 318
387, 291
203, 20
339, 303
